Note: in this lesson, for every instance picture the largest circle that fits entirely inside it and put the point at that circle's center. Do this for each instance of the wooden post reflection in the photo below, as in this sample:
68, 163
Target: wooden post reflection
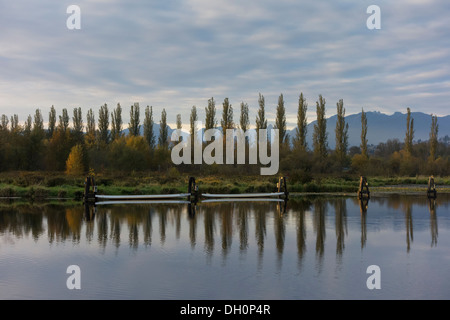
341, 225
363, 206
433, 221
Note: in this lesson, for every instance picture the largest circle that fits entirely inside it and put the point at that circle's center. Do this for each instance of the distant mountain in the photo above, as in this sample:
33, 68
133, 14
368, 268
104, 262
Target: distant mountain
381, 127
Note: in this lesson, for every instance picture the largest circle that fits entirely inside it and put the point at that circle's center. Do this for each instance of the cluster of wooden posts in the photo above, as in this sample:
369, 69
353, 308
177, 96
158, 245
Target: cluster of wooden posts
364, 193
193, 194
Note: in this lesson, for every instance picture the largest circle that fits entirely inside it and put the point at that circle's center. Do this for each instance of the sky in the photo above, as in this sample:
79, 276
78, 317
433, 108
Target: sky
176, 54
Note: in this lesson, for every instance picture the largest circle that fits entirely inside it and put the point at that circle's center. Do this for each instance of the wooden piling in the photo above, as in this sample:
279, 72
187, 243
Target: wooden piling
431, 190
363, 190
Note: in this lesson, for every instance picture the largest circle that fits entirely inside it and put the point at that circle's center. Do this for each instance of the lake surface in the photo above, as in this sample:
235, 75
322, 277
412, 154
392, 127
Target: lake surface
314, 248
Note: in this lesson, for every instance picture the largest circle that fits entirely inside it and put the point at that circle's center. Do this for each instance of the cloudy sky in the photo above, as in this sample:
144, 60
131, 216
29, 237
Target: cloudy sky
175, 54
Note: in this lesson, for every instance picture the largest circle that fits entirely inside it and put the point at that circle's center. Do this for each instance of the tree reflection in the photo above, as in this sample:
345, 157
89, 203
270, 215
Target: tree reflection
433, 221
247, 221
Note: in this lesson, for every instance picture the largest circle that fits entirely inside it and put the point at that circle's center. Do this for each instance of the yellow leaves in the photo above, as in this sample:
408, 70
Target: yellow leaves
75, 163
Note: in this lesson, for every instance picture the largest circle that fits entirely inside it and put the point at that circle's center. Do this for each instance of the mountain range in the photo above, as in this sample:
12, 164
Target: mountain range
380, 128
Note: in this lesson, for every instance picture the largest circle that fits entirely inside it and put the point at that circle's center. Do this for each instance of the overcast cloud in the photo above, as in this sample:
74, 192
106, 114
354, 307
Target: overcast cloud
176, 54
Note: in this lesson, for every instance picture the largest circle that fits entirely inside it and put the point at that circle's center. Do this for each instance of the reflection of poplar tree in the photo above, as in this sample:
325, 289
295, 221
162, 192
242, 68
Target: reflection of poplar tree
340, 225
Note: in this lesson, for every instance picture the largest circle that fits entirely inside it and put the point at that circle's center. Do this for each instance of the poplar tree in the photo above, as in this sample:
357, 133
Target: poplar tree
179, 123
77, 125
320, 130
227, 116
15, 127
90, 128
244, 121
433, 137
148, 127
4, 123
210, 110
38, 124
280, 121
64, 121
51, 121
163, 130
116, 123
193, 118
261, 121
134, 126
341, 132
302, 125
409, 132
363, 145
103, 124
193, 128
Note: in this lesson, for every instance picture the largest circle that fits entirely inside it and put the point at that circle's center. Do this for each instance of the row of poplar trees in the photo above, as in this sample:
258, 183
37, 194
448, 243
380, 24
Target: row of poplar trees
75, 146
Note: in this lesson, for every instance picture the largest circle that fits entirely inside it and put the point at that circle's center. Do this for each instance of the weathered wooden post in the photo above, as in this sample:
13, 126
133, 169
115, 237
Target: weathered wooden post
363, 190
193, 190
431, 190
282, 187
90, 189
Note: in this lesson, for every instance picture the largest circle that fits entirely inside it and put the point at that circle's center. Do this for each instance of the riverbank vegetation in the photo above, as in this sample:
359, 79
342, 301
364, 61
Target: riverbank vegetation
38, 161
55, 185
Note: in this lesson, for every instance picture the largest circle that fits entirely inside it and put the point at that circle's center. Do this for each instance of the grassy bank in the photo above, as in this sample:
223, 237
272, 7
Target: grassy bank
48, 185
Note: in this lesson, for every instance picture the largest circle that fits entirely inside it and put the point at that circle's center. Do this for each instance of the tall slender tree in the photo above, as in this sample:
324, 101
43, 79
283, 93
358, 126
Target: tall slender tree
433, 138
179, 123
91, 133
227, 116
51, 122
244, 120
77, 126
163, 131
103, 124
341, 132
280, 121
148, 128
134, 126
409, 132
363, 144
302, 125
261, 121
116, 123
64, 121
320, 130
210, 110
193, 127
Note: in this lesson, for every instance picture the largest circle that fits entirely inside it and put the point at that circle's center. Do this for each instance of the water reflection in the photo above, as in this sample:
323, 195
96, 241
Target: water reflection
218, 224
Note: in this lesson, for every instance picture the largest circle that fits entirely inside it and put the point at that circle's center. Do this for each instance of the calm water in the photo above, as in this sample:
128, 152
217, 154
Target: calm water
316, 248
